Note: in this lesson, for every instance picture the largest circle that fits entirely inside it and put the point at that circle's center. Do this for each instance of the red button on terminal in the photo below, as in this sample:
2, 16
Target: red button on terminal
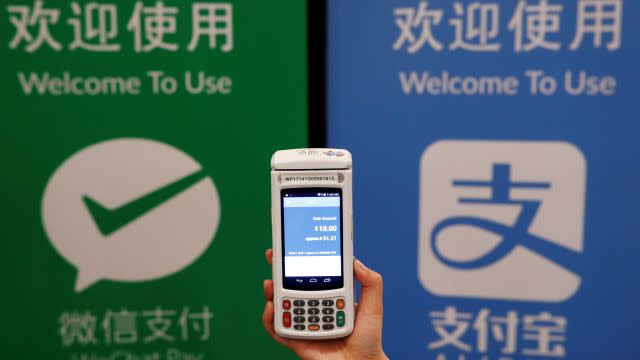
314, 327
340, 304
286, 319
286, 304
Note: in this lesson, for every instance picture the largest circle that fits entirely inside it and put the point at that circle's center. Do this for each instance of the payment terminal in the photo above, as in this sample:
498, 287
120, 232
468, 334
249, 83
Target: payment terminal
311, 215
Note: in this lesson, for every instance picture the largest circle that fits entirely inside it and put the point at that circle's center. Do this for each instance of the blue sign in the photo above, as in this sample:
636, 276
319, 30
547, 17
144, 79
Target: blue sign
494, 147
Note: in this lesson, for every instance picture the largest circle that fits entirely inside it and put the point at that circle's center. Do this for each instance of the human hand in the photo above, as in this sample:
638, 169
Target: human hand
365, 342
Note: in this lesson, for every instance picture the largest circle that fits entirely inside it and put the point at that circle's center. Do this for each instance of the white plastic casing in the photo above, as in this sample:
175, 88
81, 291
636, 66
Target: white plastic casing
300, 168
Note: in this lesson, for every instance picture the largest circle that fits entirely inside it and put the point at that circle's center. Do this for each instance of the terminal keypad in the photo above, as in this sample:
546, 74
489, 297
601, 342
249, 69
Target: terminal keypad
313, 315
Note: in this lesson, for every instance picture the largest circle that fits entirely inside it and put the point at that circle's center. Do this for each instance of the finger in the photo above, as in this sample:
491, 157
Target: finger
267, 322
269, 255
268, 289
267, 319
371, 291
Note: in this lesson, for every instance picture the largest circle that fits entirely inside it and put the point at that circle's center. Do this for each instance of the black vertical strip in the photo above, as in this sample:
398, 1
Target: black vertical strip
317, 72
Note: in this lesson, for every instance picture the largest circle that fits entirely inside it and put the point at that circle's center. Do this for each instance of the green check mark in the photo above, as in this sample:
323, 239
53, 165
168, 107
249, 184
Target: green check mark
112, 220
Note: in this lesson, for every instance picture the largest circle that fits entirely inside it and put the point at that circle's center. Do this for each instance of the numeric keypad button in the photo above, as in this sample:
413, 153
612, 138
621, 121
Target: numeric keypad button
314, 311
327, 319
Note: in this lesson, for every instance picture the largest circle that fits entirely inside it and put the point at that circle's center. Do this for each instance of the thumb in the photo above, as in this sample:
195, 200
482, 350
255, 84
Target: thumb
371, 290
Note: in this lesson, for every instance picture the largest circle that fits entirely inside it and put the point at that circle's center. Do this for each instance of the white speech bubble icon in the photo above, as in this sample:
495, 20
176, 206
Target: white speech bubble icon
129, 210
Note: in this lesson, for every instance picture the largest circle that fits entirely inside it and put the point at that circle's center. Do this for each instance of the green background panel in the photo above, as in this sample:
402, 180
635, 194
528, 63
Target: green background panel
232, 136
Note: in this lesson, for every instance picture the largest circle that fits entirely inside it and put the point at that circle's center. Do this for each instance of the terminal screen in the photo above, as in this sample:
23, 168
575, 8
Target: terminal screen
312, 238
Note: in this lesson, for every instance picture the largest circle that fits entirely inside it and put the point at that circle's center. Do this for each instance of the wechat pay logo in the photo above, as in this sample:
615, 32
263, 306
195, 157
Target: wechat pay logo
129, 210
502, 220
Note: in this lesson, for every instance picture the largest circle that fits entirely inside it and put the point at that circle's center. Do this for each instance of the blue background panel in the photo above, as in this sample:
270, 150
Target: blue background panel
387, 131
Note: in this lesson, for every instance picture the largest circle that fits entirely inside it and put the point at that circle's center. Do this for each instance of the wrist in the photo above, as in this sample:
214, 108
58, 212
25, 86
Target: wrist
378, 355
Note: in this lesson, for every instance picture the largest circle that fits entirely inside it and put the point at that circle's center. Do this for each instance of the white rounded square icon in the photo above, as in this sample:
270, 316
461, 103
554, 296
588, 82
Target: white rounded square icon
501, 219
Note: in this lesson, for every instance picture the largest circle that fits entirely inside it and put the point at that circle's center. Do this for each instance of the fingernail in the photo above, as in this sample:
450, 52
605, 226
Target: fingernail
359, 263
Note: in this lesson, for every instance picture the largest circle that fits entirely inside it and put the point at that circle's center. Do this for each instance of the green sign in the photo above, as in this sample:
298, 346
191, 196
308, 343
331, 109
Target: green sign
136, 139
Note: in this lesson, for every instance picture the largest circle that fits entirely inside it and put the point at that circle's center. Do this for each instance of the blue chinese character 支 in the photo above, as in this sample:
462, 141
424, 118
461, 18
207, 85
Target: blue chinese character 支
512, 235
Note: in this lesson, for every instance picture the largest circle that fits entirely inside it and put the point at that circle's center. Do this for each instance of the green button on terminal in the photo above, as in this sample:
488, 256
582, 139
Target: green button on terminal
340, 318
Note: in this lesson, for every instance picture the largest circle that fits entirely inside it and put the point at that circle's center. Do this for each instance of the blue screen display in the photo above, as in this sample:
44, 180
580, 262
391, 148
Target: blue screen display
312, 238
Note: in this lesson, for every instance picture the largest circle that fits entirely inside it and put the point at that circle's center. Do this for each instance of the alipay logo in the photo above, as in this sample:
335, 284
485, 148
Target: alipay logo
502, 220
